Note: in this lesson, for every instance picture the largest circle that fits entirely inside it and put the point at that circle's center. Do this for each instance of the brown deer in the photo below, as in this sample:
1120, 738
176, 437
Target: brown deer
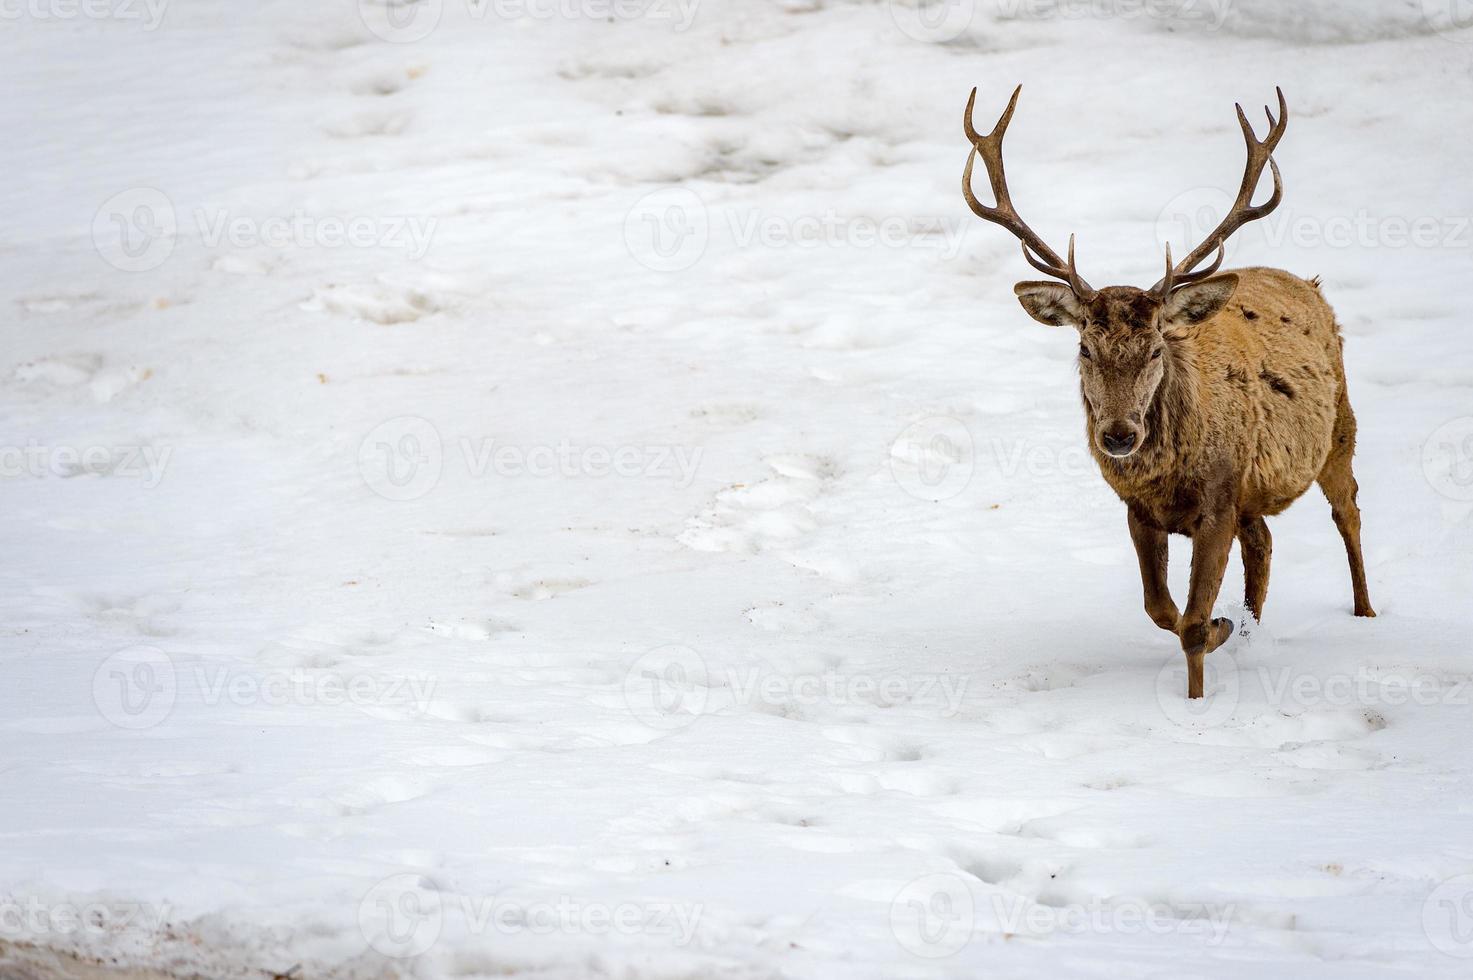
1211, 401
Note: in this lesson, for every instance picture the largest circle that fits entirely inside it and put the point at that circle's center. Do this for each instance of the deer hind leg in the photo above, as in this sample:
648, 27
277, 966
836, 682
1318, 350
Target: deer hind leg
1151, 551
1257, 547
1199, 636
1338, 483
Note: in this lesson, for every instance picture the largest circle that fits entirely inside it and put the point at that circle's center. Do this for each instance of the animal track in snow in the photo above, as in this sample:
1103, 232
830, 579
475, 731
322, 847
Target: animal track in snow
549, 588
769, 515
1071, 831
378, 302
144, 613
72, 371
369, 123
377, 793
381, 83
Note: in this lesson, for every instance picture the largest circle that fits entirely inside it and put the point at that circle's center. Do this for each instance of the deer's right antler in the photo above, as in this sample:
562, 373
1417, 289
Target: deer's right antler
1260, 152
1035, 250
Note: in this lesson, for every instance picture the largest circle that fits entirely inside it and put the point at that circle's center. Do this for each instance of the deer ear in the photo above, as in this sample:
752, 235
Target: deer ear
1050, 302
1191, 304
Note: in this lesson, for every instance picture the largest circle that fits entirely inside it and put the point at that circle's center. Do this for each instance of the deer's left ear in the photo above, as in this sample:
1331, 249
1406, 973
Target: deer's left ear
1191, 304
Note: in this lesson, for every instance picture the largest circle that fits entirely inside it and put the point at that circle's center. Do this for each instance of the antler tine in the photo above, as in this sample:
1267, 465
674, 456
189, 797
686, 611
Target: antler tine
1172, 280
1260, 154
1187, 277
1042, 266
1080, 287
989, 148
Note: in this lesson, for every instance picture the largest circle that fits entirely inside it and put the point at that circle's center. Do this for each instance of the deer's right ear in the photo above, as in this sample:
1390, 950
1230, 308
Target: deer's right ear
1050, 302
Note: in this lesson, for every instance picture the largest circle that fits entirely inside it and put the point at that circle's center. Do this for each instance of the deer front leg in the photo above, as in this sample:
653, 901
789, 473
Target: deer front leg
1210, 547
1151, 551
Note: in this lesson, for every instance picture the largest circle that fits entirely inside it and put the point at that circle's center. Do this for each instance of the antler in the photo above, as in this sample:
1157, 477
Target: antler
1035, 250
1260, 152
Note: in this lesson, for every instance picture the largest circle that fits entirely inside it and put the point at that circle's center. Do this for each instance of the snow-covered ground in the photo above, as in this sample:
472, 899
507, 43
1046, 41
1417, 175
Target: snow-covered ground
563, 488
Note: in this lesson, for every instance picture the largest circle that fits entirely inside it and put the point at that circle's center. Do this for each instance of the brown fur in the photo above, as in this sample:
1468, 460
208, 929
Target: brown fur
1245, 407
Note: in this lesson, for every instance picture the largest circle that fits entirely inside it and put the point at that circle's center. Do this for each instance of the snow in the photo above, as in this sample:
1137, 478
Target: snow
572, 494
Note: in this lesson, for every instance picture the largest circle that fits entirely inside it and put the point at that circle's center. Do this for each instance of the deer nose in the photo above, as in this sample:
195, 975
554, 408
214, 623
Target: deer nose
1118, 440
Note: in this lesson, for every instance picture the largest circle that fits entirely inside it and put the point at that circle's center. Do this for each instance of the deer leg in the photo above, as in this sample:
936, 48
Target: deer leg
1151, 551
1199, 637
1338, 483
1257, 546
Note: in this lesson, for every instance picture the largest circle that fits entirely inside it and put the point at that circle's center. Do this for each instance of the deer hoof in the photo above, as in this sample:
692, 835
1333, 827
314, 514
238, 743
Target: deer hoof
1200, 638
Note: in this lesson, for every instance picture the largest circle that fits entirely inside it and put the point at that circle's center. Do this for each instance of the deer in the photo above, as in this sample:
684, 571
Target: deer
1211, 400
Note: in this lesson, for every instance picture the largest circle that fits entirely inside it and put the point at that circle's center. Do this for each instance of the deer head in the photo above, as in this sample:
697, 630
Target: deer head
1125, 333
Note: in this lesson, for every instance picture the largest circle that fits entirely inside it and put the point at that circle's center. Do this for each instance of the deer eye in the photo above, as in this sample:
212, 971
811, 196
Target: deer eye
1156, 353
1084, 352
